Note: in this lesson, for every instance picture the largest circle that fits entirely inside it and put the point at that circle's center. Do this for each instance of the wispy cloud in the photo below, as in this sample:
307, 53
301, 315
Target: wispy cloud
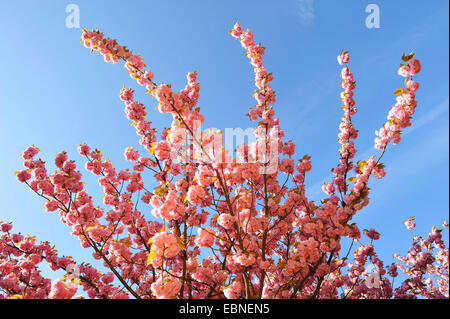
430, 116
438, 139
312, 94
305, 9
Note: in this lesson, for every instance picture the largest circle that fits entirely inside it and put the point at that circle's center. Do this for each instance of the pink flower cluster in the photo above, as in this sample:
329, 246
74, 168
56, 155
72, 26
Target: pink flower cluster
347, 131
166, 288
113, 52
213, 226
426, 265
164, 245
400, 114
20, 274
60, 290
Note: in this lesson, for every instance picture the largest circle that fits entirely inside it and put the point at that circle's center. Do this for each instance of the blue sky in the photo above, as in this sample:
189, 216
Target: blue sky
55, 94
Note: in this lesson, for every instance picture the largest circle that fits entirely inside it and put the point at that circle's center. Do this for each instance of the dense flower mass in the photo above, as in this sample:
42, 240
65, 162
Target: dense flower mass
214, 226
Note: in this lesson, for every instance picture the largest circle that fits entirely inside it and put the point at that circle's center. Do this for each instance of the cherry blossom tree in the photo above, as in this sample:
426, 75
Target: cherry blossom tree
219, 225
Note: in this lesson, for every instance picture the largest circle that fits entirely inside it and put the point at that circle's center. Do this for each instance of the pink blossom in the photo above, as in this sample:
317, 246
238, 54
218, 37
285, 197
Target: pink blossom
60, 290
23, 176
195, 195
414, 66
205, 238
166, 288
343, 58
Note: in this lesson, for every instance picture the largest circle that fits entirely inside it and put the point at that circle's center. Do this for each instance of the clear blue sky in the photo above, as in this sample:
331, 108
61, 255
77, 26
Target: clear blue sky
55, 94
